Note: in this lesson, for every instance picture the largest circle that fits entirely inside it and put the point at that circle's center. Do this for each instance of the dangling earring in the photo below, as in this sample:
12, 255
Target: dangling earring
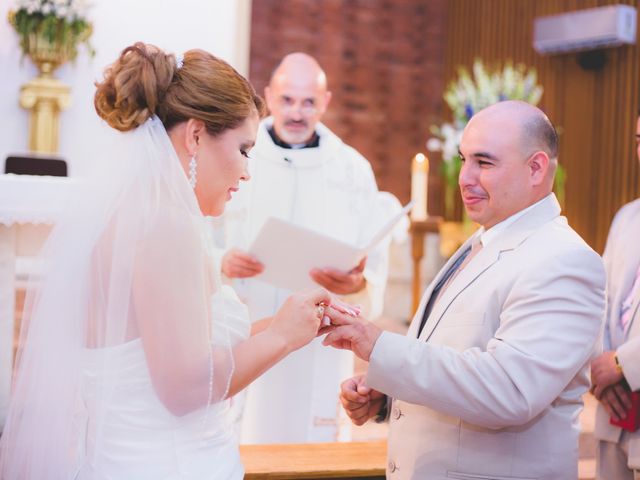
193, 165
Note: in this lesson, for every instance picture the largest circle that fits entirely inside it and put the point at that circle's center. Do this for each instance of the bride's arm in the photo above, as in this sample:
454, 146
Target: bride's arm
260, 325
171, 304
171, 299
294, 325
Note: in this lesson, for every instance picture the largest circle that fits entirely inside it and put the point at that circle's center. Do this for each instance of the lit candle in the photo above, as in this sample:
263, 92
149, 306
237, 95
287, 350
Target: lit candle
419, 178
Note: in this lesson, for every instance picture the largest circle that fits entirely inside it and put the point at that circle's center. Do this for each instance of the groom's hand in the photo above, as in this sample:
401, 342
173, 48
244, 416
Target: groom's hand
355, 334
359, 401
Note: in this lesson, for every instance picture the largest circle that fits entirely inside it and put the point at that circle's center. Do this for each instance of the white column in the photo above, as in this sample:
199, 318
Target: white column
7, 312
243, 36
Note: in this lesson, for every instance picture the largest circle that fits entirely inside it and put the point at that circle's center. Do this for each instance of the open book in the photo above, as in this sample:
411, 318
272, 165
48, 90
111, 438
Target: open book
289, 252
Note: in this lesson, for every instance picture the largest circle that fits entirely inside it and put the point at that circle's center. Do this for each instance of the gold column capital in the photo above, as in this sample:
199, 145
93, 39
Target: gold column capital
45, 97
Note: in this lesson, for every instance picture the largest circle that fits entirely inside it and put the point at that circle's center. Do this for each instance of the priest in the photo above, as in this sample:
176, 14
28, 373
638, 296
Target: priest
303, 173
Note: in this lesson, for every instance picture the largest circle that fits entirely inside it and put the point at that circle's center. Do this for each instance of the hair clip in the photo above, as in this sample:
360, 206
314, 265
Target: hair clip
179, 61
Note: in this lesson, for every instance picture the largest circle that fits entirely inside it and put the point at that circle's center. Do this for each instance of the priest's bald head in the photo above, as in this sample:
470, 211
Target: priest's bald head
297, 97
509, 152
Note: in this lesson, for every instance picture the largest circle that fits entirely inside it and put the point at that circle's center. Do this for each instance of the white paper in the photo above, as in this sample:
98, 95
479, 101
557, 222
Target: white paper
289, 252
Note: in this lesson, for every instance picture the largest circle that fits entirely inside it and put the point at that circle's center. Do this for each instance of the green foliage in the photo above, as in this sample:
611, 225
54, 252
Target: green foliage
65, 32
475, 90
559, 182
450, 170
470, 92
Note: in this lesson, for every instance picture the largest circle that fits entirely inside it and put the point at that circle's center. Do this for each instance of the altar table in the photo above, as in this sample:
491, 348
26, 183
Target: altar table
343, 460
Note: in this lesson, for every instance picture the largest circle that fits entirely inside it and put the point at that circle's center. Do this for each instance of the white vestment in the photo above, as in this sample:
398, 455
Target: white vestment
330, 189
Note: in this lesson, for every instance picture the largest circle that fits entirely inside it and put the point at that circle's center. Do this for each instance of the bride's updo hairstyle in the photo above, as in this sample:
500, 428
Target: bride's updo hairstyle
145, 81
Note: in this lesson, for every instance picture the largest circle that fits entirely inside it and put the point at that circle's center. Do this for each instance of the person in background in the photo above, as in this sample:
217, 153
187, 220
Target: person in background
303, 173
616, 372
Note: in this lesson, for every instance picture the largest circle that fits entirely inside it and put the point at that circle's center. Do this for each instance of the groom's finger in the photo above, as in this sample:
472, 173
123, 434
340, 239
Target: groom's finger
360, 416
341, 335
350, 387
324, 330
339, 318
353, 399
344, 307
362, 387
334, 338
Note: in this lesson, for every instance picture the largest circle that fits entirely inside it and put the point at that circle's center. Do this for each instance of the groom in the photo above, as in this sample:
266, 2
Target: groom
488, 381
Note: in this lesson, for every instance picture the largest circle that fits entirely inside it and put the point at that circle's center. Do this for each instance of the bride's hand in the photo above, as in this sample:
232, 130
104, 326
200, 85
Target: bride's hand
344, 313
298, 319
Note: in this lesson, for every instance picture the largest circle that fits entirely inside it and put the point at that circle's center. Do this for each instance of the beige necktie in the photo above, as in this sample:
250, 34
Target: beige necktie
476, 246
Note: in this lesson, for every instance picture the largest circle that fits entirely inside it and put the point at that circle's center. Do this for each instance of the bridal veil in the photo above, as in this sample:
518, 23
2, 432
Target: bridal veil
127, 263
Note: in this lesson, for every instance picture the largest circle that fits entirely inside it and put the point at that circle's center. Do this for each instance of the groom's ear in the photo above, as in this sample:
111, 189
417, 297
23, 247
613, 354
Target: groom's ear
193, 131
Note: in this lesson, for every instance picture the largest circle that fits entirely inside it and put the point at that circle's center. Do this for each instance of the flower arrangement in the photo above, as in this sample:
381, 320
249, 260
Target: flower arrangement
466, 96
60, 23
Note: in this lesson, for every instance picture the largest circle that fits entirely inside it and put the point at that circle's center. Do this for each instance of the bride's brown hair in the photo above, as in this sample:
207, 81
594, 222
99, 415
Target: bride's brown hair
146, 81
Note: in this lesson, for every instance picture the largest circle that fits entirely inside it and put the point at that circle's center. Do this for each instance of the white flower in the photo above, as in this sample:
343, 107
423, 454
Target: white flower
434, 145
78, 7
469, 94
68, 10
446, 140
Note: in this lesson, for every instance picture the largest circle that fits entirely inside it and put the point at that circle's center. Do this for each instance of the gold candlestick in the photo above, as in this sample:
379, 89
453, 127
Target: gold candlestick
45, 96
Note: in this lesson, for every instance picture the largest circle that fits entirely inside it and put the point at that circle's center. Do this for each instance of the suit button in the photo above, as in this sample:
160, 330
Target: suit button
392, 466
397, 413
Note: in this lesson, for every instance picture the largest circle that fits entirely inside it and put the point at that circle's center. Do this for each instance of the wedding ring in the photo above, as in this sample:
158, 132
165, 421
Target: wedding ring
320, 311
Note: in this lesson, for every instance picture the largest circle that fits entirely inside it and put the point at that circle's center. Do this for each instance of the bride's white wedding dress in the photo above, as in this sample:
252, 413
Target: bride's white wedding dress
127, 262
139, 438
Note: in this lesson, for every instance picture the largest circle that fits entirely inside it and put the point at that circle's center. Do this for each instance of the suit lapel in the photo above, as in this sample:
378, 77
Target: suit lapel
481, 262
417, 318
545, 211
635, 313
621, 262
415, 322
628, 277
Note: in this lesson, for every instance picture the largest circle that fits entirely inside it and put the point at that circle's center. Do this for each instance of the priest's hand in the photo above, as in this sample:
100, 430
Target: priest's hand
359, 401
339, 281
352, 333
239, 264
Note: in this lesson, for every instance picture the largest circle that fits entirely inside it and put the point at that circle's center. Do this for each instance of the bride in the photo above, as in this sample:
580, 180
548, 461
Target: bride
131, 346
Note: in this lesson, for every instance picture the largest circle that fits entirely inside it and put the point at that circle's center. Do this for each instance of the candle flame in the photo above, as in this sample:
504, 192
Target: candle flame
420, 158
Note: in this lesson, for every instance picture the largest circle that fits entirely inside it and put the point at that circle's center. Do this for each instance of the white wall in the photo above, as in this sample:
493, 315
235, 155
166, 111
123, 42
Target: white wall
218, 26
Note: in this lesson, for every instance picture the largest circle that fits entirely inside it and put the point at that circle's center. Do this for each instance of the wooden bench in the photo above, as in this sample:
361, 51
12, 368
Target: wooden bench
348, 460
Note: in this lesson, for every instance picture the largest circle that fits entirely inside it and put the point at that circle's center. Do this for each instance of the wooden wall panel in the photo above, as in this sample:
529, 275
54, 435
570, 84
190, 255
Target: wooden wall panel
385, 65
388, 62
595, 111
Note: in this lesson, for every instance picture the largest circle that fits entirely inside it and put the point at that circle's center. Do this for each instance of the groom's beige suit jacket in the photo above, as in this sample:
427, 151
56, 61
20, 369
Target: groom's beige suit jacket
492, 386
